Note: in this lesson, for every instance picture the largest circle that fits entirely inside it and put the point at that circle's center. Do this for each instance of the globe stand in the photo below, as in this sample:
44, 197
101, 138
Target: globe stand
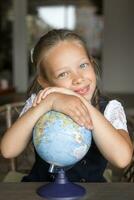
61, 189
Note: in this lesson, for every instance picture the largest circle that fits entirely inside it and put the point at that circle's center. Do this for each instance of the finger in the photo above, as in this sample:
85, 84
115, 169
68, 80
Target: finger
34, 102
83, 100
61, 90
47, 92
86, 115
56, 89
81, 111
75, 118
75, 114
39, 96
44, 94
85, 109
84, 118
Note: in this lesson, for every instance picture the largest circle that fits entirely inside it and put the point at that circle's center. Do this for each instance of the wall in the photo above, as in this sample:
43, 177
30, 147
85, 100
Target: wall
118, 50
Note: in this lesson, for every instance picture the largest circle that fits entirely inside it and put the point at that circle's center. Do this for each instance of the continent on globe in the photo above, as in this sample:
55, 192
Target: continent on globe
59, 140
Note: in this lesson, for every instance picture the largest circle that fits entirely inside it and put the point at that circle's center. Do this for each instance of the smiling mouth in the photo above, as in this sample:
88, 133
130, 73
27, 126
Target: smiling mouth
83, 91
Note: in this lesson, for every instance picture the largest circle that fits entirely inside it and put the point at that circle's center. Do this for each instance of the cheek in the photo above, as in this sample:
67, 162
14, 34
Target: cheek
60, 83
91, 76
65, 84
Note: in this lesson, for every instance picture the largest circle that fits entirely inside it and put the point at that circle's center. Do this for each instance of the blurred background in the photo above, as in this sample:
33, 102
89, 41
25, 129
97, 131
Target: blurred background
107, 26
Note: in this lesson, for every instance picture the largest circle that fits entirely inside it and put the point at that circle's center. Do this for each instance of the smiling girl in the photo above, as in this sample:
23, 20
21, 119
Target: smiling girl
67, 81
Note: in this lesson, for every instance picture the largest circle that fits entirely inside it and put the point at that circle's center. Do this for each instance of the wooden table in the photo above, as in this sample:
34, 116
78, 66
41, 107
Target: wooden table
95, 191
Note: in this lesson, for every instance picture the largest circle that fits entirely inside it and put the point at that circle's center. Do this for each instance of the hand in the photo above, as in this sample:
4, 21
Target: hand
44, 93
71, 104
73, 107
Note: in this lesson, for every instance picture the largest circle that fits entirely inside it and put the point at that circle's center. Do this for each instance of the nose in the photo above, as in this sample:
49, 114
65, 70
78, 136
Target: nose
77, 78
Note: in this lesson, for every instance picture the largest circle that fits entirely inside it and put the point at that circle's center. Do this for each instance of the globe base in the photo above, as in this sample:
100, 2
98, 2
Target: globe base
61, 189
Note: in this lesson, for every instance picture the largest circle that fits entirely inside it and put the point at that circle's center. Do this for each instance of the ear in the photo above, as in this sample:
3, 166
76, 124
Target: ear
43, 83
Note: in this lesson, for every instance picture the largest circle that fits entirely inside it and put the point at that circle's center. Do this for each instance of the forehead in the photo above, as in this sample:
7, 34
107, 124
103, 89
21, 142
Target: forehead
64, 45
65, 52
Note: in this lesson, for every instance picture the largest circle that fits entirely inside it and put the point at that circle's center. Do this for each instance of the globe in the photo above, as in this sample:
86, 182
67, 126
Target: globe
59, 140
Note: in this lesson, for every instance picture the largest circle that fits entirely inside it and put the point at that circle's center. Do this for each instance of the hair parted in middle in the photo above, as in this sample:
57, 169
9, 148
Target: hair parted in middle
48, 41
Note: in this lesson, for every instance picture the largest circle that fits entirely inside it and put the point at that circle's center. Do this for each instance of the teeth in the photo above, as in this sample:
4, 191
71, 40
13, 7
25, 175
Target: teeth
83, 90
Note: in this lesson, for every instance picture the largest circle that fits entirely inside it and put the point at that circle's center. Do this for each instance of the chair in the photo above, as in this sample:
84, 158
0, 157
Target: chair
128, 175
15, 169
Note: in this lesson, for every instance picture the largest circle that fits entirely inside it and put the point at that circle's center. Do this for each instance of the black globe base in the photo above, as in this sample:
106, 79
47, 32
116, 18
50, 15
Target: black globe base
61, 189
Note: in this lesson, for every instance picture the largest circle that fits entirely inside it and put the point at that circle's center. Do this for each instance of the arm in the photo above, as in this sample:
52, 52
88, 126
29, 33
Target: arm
19, 134
114, 144
67, 102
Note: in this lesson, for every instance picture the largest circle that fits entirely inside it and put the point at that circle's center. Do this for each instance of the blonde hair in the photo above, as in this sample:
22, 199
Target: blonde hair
49, 40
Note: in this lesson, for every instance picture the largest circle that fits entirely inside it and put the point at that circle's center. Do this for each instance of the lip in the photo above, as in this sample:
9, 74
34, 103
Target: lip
83, 91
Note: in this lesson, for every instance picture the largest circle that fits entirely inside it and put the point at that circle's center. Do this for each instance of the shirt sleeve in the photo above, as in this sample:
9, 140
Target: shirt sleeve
115, 114
28, 104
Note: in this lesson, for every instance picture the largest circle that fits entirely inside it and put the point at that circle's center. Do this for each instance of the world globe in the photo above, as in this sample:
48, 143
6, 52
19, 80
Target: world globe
59, 140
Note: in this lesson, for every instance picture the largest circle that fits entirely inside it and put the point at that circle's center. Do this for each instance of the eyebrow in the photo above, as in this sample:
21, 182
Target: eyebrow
60, 69
66, 67
84, 58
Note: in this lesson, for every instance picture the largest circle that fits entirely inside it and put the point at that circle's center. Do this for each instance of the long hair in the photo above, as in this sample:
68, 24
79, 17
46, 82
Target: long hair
49, 40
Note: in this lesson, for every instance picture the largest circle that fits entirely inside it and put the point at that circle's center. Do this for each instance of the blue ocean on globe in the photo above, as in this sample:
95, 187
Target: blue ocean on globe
59, 140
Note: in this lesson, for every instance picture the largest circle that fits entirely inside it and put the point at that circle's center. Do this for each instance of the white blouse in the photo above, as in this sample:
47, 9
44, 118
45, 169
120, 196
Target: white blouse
114, 112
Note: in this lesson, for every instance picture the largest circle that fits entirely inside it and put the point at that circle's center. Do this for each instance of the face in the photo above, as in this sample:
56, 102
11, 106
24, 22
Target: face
67, 65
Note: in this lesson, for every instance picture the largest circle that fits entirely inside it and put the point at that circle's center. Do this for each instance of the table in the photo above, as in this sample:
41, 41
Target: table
8, 90
95, 191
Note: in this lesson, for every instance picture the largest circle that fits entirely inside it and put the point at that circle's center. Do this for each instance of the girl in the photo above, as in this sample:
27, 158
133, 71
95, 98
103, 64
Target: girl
68, 81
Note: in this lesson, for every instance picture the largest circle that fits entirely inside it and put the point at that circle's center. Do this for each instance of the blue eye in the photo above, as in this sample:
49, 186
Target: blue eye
84, 65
